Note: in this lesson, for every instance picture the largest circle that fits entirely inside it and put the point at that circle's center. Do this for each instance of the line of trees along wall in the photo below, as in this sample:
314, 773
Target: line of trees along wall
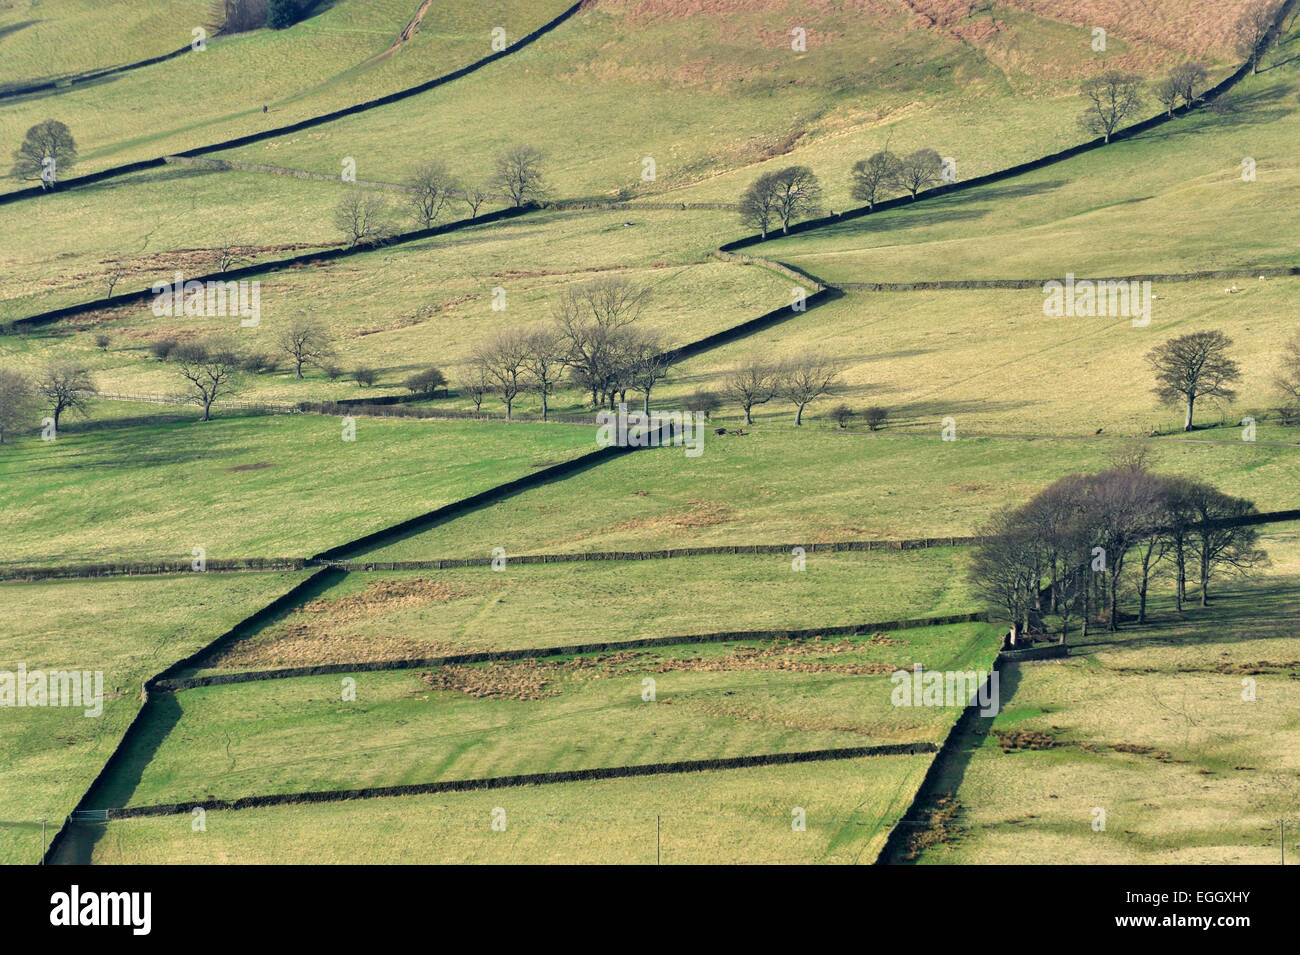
308, 123
1030, 166
497, 656
528, 779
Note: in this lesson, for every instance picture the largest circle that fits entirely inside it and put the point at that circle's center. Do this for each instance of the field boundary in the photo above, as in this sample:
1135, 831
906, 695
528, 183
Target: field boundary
67, 82
273, 265
135, 727
311, 121
1282, 271
1032, 165
178, 684
526, 779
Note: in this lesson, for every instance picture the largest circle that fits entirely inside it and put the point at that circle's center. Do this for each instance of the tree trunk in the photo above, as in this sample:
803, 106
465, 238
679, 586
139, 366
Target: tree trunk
645, 405
798, 416
1187, 424
748, 419
543, 404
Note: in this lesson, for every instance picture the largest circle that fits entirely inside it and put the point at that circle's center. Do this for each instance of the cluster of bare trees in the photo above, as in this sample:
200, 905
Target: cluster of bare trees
781, 196
1087, 542
800, 381
881, 173
59, 388
1115, 96
594, 336
366, 216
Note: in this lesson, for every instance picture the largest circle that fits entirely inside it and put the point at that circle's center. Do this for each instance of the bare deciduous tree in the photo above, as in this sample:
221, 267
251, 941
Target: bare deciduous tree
1188, 80
804, 380
918, 170
1191, 367
795, 193
1110, 99
591, 318
544, 360
210, 368
474, 196
517, 172
65, 386
1287, 382
648, 362
1251, 29
504, 359
431, 189
758, 204
229, 250
305, 341
873, 176
17, 402
750, 384
476, 384
1166, 93
363, 217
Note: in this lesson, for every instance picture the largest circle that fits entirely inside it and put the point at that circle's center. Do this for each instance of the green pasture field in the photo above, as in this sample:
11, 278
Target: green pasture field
274, 486
777, 484
44, 40
528, 717
1169, 200
406, 307
990, 359
329, 61
730, 816
128, 628
390, 615
704, 95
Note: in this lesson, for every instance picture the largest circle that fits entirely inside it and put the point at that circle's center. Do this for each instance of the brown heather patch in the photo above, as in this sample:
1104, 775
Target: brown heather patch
1019, 740
1014, 740
697, 514
311, 635
780, 655
936, 828
307, 645
535, 680
525, 680
382, 596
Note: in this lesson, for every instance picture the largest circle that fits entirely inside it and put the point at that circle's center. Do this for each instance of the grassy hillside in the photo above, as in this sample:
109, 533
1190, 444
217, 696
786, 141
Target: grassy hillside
129, 630
779, 485
241, 486
739, 815
385, 616
711, 701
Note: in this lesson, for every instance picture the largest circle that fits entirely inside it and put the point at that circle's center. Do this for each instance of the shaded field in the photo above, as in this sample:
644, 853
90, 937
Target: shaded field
129, 630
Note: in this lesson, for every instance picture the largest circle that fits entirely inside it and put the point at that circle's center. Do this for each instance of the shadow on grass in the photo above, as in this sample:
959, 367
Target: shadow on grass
945, 777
